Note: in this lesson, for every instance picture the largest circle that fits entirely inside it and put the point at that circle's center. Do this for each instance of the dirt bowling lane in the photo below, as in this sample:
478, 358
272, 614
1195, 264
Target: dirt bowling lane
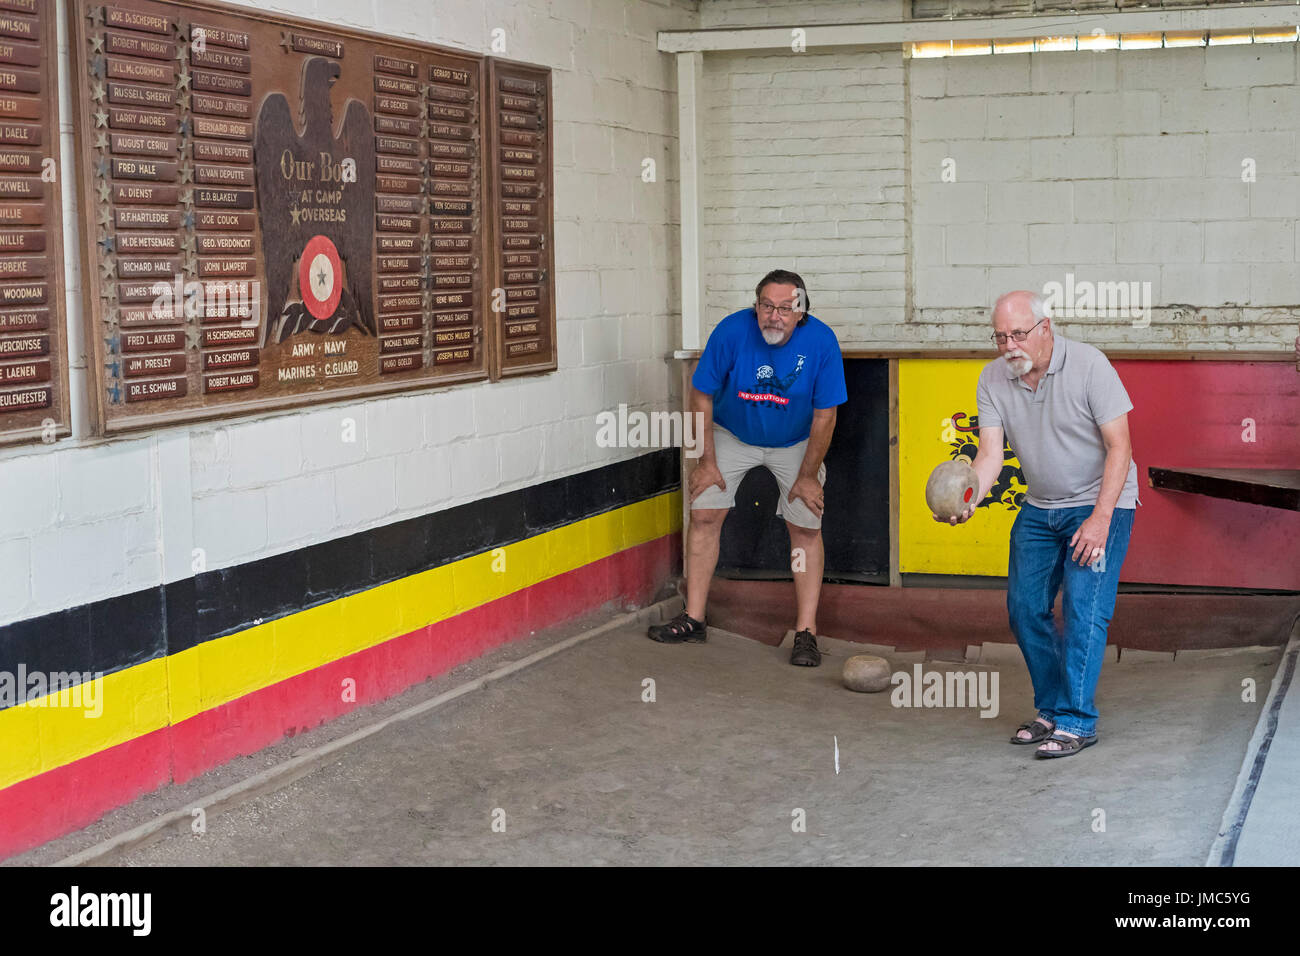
574, 767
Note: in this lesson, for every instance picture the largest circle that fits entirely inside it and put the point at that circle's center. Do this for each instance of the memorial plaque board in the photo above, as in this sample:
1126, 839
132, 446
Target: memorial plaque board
33, 341
522, 261
260, 226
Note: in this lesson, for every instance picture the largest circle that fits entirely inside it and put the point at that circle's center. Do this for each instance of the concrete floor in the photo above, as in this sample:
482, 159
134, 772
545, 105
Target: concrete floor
709, 773
1270, 835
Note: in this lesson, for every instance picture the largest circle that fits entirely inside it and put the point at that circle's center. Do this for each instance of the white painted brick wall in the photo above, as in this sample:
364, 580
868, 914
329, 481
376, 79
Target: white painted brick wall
88, 518
1135, 173
804, 169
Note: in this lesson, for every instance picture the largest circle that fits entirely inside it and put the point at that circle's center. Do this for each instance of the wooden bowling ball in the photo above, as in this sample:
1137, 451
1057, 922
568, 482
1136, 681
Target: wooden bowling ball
951, 489
866, 674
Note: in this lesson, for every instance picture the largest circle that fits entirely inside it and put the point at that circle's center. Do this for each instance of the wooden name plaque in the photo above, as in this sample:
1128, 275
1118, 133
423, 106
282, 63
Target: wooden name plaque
279, 212
523, 253
33, 346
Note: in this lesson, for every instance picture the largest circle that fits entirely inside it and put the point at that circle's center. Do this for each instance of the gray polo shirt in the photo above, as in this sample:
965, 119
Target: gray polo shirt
1055, 430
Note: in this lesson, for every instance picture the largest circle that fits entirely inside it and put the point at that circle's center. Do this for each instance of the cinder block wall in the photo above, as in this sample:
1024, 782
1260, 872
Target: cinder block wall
805, 168
1123, 166
87, 519
1175, 168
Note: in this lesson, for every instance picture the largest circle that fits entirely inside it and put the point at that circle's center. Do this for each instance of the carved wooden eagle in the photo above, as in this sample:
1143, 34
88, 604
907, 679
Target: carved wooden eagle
311, 198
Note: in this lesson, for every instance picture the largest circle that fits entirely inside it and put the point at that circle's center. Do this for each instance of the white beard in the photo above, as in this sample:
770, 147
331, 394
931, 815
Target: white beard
773, 336
1020, 364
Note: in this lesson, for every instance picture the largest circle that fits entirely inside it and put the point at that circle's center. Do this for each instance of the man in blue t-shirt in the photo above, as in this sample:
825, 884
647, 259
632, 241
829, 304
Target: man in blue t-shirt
767, 387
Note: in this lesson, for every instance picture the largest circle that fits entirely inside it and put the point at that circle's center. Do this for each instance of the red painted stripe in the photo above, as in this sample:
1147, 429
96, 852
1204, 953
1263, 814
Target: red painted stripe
68, 798
73, 796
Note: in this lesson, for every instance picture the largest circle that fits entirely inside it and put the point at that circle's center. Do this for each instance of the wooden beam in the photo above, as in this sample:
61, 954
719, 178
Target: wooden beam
895, 577
690, 141
1269, 487
895, 33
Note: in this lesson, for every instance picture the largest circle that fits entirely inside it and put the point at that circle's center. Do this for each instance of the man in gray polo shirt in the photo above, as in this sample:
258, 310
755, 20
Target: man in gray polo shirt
1063, 409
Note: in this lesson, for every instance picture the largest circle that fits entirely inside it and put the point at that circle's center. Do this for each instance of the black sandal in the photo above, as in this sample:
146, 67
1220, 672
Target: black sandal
1069, 745
1037, 731
681, 628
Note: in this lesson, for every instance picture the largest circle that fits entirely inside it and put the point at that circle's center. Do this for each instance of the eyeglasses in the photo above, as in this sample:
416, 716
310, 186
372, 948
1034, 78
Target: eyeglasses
784, 311
1019, 335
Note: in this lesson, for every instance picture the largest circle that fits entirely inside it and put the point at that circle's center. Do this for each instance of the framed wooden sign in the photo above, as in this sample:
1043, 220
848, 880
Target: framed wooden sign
275, 212
33, 340
522, 260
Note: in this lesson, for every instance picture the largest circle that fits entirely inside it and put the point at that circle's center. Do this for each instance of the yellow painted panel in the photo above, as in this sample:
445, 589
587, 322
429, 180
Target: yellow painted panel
185, 691
20, 744
605, 534
36, 737
236, 664
930, 393
184, 684
568, 548
425, 597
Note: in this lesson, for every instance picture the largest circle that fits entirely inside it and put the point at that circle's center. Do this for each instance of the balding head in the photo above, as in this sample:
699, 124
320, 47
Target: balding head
1023, 311
1020, 305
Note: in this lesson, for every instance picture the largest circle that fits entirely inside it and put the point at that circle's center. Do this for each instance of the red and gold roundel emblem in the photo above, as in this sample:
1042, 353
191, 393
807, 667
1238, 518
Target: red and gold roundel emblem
320, 277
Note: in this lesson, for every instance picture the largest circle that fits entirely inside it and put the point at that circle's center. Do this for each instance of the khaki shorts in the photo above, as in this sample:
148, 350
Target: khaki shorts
735, 459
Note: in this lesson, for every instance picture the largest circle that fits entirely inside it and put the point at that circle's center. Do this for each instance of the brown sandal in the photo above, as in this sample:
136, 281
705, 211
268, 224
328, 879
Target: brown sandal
1038, 731
1069, 745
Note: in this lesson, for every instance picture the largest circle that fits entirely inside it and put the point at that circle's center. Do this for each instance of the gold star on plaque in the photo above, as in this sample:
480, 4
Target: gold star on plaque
96, 16
182, 80
187, 173
106, 267
97, 91
187, 197
101, 119
284, 42
105, 216
96, 44
188, 244
101, 141
180, 53
191, 264
104, 192
192, 338
295, 212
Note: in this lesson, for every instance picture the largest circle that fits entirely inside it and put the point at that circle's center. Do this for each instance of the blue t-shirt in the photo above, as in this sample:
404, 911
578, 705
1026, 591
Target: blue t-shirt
764, 394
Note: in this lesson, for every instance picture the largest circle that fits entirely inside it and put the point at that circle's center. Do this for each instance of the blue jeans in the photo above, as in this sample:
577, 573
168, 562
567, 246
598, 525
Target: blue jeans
1064, 667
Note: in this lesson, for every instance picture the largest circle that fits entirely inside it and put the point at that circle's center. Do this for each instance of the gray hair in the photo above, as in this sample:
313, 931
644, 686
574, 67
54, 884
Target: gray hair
1040, 307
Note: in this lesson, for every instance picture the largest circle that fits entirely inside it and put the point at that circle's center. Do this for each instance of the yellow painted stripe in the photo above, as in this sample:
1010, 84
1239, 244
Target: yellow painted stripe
143, 698
36, 736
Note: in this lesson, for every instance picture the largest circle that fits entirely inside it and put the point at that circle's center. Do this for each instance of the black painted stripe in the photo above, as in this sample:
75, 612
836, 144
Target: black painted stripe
119, 632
